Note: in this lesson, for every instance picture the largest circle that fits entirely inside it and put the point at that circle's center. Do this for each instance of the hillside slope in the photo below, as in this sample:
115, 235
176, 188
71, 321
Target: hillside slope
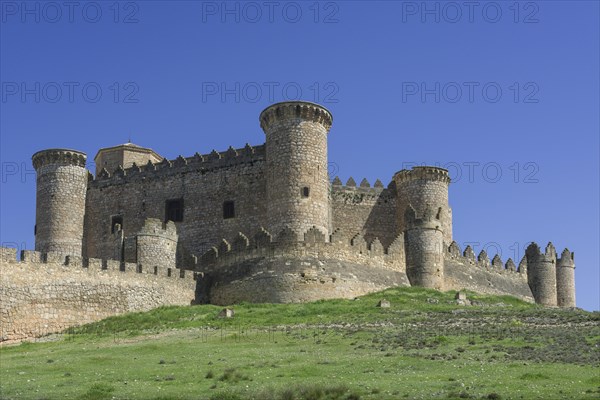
423, 346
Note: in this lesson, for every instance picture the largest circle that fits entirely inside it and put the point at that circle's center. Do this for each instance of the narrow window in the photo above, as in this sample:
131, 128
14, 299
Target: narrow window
228, 210
305, 191
114, 221
174, 210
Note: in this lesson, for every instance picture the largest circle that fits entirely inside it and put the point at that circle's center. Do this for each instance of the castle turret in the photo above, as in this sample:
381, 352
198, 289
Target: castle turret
296, 154
421, 186
424, 247
541, 274
60, 200
565, 279
155, 245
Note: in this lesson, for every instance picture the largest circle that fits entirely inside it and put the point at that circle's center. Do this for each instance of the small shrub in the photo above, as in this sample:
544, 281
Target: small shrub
98, 391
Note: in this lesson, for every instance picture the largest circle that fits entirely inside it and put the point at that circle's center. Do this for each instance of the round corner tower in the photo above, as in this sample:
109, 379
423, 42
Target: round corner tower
60, 200
565, 279
422, 186
541, 274
296, 153
424, 244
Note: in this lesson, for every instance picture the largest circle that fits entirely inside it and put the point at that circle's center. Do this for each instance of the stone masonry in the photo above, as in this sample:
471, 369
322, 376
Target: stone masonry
257, 223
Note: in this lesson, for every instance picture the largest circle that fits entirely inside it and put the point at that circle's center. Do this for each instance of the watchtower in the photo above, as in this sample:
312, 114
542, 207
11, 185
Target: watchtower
60, 200
541, 273
565, 279
296, 156
423, 186
424, 247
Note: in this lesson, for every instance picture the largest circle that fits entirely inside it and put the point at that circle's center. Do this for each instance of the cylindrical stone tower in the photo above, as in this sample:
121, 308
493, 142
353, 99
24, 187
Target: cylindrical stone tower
541, 274
565, 279
60, 200
421, 186
424, 244
296, 154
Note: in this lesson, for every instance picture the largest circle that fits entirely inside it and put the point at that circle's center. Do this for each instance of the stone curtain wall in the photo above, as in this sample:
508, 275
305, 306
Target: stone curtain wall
204, 182
47, 293
307, 270
282, 279
463, 270
370, 211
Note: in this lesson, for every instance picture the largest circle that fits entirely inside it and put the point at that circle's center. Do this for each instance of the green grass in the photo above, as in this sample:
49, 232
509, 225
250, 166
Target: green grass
423, 347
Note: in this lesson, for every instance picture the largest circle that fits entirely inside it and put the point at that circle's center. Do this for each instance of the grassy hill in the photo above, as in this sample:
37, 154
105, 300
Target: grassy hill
425, 346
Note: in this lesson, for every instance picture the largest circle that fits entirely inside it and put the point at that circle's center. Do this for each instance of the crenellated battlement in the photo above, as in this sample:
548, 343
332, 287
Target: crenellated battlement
566, 259
213, 161
117, 268
336, 184
496, 265
295, 110
535, 255
59, 157
48, 292
156, 227
428, 173
350, 193
341, 245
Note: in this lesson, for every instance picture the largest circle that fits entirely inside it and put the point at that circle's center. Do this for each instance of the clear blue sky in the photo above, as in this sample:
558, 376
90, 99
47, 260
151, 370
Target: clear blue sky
505, 94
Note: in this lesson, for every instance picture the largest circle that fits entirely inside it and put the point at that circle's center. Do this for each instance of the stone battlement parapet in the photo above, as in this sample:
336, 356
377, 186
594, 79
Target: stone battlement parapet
422, 173
58, 156
341, 245
117, 268
295, 109
467, 257
213, 161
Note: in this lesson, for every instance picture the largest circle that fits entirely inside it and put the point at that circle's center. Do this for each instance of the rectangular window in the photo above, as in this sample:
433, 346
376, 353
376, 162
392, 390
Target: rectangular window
174, 210
228, 210
114, 221
305, 191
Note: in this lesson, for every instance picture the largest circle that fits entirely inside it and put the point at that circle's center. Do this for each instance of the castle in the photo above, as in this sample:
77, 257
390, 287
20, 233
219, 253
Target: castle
266, 224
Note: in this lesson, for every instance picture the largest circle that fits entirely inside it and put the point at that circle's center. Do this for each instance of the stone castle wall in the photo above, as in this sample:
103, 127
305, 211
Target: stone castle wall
46, 292
204, 182
463, 270
259, 223
269, 269
275, 269
370, 211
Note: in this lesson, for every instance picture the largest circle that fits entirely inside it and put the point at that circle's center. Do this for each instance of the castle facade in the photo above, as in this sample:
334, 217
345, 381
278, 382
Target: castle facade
265, 223
258, 223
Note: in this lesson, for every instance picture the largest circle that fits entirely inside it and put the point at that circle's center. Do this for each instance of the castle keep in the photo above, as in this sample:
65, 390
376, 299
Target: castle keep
266, 224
